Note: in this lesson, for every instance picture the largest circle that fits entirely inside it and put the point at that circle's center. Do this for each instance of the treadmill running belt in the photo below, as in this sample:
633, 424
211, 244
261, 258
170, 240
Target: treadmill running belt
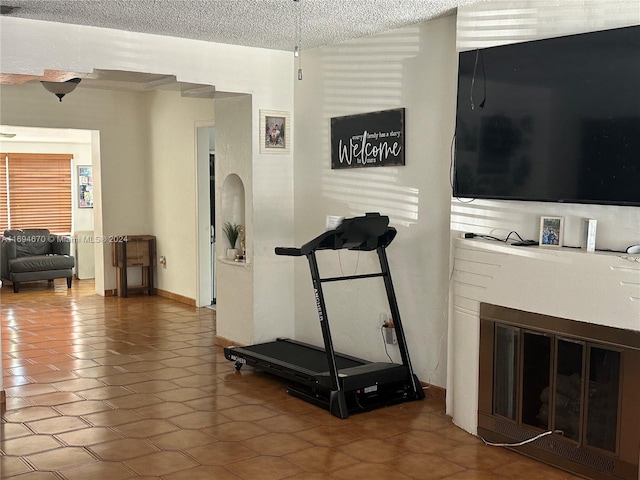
301, 356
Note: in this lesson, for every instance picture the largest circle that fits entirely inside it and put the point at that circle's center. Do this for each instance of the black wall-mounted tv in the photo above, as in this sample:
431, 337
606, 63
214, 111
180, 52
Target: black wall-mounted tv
554, 120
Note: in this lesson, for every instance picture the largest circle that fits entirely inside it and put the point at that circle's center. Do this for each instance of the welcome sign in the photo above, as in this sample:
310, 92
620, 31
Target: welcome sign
368, 140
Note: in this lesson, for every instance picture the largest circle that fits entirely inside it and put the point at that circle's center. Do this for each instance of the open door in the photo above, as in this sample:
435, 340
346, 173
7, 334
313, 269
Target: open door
205, 158
212, 208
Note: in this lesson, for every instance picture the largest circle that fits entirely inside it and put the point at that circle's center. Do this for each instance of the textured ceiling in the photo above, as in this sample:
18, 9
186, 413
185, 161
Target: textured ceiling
273, 24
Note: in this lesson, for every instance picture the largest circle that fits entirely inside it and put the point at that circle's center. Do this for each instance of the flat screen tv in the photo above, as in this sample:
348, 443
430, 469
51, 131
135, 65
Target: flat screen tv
554, 120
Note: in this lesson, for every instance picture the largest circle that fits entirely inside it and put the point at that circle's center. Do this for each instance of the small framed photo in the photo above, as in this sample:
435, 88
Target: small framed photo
85, 186
551, 231
275, 131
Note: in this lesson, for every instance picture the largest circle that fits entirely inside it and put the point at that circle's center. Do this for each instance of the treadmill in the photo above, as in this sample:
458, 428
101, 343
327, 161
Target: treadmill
340, 383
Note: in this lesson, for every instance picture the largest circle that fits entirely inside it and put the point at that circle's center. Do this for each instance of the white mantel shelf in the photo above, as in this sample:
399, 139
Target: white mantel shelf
595, 287
226, 261
544, 253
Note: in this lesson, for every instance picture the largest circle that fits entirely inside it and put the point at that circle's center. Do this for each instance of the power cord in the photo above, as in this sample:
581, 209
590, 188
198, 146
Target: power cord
355, 397
355, 270
521, 241
524, 442
384, 342
525, 243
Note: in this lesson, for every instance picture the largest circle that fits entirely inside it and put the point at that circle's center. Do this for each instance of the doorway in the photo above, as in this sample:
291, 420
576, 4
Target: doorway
212, 215
84, 148
205, 158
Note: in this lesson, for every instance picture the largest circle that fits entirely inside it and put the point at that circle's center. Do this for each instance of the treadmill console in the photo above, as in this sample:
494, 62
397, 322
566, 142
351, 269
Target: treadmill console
362, 232
367, 232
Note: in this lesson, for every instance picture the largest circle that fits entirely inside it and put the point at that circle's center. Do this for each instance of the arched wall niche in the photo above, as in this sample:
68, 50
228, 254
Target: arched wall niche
232, 207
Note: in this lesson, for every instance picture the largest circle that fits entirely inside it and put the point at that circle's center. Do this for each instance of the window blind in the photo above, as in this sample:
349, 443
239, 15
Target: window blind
4, 212
39, 194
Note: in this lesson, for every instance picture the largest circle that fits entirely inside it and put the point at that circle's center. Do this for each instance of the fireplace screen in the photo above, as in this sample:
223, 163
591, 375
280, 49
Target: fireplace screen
544, 374
536, 361
603, 398
568, 389
505, 390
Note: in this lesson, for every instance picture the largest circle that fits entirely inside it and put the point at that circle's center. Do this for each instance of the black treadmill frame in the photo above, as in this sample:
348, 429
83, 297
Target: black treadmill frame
369, 384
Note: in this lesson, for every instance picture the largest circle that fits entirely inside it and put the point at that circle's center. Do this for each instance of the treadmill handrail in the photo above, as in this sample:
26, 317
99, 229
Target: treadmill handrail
289, 251
359, 233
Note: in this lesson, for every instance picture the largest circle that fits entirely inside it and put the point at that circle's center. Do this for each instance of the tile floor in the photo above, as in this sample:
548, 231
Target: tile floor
111, 388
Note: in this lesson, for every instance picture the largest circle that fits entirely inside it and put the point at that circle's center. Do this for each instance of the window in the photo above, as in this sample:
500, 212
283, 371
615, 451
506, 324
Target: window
35, 191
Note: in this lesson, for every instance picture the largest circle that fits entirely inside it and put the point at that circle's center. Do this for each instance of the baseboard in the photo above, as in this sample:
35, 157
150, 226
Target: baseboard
224, 342
161, 293
434, 392
176, 297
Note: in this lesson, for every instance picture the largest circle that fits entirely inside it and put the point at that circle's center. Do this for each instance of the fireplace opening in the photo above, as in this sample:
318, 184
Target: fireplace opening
574, 381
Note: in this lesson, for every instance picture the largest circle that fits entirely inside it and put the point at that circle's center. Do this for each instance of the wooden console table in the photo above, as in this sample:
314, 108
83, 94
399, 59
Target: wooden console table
134, 251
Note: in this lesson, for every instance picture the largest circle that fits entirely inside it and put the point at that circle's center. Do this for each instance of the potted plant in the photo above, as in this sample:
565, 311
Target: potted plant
231, 230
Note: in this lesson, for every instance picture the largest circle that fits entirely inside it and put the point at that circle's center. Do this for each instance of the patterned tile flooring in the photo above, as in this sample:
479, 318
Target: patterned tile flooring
111, 388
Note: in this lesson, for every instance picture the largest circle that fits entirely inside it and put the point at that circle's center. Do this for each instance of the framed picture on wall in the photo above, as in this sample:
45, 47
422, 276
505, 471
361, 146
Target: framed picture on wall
275, 131
373, 139
551, 231
85, 186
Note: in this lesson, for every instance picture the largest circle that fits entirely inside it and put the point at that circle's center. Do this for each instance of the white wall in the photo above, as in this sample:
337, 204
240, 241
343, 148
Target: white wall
234, 204
171, 172
29, 47
496, 22
414, 68
273, 202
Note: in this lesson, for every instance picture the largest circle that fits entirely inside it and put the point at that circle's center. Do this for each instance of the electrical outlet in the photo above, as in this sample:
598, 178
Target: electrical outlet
390, 335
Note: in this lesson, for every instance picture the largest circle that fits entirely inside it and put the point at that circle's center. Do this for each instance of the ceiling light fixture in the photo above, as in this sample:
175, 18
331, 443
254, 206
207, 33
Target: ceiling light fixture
298, 48
7, 135
60, 89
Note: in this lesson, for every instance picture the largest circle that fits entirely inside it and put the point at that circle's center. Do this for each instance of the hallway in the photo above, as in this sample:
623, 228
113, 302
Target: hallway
113, 388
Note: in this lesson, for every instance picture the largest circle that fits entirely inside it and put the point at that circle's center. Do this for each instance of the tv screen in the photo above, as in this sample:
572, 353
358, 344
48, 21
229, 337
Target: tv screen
551, 120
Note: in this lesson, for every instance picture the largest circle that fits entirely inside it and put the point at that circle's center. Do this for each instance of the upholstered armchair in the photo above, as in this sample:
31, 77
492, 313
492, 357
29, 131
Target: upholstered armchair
34, 254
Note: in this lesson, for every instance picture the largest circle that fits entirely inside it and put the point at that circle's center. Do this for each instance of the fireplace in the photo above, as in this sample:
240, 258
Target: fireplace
574, 385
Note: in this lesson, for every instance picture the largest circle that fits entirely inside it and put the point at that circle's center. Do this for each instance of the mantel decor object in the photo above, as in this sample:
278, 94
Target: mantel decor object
232, 231
551, 231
